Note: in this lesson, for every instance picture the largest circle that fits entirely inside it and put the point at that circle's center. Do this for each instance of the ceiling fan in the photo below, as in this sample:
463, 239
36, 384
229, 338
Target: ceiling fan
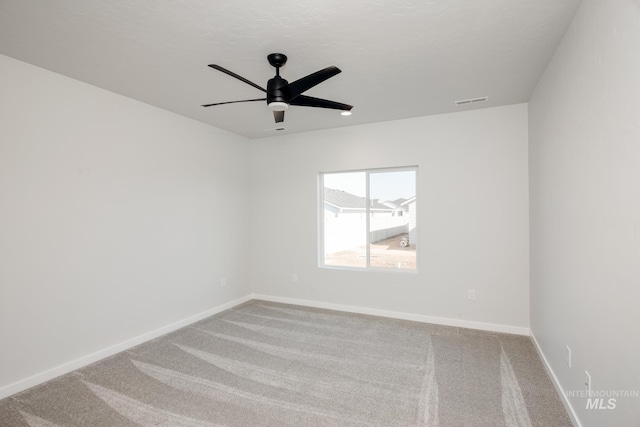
281, 94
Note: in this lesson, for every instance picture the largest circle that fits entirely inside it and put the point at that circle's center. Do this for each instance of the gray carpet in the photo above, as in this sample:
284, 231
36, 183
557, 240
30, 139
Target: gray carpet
268, 364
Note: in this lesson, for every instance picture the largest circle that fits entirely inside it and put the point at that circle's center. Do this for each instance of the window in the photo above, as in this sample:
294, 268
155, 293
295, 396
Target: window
368, 219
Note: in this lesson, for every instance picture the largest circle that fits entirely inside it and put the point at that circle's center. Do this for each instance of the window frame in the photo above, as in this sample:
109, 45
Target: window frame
321, 220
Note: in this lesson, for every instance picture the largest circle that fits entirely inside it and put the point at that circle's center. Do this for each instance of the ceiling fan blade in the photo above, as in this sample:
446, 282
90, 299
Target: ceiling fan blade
309, 101
233, 102
234, 75
278, 116
306, 83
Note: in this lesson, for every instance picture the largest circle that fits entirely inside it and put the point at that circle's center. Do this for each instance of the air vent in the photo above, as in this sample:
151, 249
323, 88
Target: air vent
472, 100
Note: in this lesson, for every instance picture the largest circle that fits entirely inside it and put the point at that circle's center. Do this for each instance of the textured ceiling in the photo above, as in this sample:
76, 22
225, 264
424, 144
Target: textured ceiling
399, 59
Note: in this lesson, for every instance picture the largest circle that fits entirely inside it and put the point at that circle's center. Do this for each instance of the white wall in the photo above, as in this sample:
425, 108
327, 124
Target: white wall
584, 122
473, 215
116, 219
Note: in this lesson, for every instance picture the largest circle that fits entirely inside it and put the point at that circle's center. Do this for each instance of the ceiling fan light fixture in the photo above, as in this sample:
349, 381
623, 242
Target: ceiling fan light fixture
278, 106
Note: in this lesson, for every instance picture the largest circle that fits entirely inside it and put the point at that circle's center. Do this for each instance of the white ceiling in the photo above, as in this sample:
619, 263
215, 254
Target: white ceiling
399, 58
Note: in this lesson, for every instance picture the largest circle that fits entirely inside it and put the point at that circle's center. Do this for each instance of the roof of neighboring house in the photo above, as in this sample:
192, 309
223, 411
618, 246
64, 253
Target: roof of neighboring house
398, 202
344, 200
409, 201
395, 204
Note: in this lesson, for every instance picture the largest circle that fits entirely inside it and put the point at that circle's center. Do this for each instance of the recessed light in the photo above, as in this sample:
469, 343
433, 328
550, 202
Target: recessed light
345, 113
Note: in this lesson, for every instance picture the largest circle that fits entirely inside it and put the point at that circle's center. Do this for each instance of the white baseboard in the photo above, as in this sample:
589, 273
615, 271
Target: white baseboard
65, 368
565, 401
492, 327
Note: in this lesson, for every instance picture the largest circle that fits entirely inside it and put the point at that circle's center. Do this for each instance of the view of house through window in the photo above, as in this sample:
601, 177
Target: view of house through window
369, 219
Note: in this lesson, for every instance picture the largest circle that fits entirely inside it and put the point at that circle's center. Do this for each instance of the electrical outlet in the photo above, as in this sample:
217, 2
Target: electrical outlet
472, 294
294, 278
223, 282
568, 356
587, 381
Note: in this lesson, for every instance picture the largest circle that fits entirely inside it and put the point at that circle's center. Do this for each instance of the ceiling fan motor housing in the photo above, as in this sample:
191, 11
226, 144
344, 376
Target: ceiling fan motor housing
278, 90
